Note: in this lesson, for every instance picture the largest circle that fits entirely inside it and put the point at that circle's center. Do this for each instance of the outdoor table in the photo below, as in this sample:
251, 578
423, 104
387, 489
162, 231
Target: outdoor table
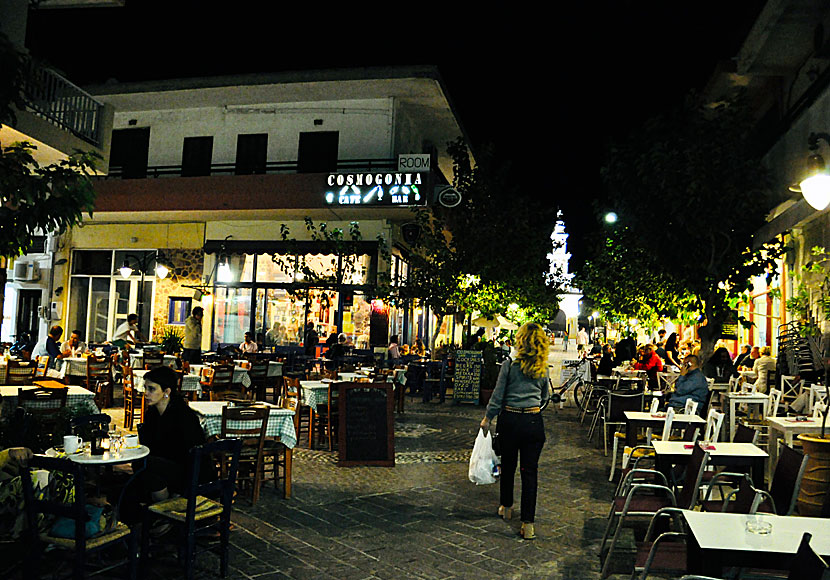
72, 366
84, 457
75, 397
347, 377
748, 375
719, 540
315, 393
734, 398
280, 428
190, 383
137, 360
635, 420
784, 428
669, 453
240, 375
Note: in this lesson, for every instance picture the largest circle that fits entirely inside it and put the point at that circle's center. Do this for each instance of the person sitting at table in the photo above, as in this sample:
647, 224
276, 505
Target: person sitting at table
625, 350
74, 347
248, 346
393, 350
606, 363
418, 348
691, 384
170, 429
671, 348
650, 363
763, 364
749, 362
336, 352
49, 346
719, 366
742, 357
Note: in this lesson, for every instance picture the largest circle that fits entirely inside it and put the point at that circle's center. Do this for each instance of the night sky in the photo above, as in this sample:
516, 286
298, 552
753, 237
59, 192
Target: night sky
548, 91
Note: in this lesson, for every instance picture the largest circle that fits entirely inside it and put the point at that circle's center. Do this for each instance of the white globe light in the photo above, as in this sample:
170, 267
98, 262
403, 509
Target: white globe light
610, 218
162, 271
816, 191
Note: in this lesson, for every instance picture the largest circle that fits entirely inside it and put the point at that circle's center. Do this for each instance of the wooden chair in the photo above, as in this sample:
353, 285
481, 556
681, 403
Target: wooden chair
248, 423
196, 511
99, 380
217, 378
42, 363
20, 373
325, 419
293, 392
133, 400
259, 377
80, 546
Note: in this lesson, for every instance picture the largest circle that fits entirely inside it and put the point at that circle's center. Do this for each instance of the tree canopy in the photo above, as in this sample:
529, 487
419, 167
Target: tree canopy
690, 191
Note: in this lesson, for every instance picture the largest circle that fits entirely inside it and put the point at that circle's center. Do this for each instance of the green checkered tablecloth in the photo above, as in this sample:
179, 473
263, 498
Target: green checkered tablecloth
75, 397
240, 375
315, 393
137, 360
189, 382
280, 423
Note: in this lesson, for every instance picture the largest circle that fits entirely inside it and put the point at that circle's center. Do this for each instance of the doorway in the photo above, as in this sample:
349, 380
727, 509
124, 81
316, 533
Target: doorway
28, 302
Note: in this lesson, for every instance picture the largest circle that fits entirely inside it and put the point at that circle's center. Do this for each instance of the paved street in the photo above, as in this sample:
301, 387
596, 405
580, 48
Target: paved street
423, 518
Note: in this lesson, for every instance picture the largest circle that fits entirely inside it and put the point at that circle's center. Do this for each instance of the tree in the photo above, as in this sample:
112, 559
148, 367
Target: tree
49, 199
488, 252
691, 191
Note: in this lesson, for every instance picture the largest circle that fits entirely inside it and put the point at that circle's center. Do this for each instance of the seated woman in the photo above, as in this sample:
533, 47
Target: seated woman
691, 384
170, 429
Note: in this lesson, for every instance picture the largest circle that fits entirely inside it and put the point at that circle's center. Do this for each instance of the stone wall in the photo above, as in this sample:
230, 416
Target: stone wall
188, 266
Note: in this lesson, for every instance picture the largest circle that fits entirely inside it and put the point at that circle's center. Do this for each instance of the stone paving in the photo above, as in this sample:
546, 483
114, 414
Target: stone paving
423, 518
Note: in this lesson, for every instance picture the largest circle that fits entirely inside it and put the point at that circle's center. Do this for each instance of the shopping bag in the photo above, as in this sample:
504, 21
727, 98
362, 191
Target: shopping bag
482, 459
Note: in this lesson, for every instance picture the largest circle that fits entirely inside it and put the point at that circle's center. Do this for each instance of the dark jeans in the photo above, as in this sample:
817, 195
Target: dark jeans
192, 356
520, 433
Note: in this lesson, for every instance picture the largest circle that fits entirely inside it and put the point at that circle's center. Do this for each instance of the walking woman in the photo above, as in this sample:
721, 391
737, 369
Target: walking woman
522, 390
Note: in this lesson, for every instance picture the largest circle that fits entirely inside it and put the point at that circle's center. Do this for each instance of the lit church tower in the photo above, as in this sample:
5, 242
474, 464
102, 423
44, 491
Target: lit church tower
570, 297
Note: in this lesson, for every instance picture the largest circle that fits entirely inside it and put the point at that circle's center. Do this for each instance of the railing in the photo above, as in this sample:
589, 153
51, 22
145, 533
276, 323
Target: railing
55, 99
270, 167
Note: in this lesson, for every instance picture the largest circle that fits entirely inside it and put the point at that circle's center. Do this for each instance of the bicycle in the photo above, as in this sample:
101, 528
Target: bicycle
583, 391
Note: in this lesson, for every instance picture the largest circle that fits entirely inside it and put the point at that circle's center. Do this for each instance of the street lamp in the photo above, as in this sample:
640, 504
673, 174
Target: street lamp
142, 263
815, 187
610, 217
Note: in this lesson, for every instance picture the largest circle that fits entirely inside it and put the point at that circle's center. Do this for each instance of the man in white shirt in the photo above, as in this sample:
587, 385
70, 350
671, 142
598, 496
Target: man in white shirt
128, 331
249, 346
74, 347
192, 343
581, 339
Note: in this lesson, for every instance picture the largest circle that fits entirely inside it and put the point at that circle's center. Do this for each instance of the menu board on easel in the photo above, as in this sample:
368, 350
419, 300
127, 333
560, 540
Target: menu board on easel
467, 379
366, 434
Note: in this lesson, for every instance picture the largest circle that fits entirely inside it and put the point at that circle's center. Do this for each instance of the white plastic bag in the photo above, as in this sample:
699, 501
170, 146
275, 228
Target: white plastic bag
483, 459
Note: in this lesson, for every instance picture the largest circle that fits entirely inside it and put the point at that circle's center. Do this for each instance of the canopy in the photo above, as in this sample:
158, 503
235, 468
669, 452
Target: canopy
506, 324
485, 322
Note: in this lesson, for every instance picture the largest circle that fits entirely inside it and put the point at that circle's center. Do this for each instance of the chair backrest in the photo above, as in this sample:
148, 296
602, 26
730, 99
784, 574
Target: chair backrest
619, 403
691, 407
98, 368
222, 376
292, 387
259, 369
734, 383
667, 424
152, 359
714, 421
774, 402
807, 564
786, 480
745, 434
687, 498
703, 410
245, 422
42, 363
20, 373
85, 424
41, 399
744, 500
691, 432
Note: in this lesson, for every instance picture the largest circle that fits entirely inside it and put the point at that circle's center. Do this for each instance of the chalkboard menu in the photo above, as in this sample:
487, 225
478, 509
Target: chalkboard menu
467, 380
730, 326
366, 433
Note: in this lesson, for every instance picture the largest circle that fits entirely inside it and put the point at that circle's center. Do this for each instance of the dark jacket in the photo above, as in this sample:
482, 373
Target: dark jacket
173, 434
606, 365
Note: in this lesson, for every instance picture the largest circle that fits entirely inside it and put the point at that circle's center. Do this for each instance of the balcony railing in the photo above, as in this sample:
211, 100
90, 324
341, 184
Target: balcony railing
52, 97
270, 167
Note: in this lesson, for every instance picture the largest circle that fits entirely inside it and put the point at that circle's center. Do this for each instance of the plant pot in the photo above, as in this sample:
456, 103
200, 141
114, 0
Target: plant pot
816, 475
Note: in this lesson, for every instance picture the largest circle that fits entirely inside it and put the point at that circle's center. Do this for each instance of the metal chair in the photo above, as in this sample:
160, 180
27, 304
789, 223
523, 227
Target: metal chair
785, 483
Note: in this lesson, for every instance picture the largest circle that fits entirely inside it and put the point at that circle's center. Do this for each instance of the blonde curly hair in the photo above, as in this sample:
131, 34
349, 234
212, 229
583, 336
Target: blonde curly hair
532, 350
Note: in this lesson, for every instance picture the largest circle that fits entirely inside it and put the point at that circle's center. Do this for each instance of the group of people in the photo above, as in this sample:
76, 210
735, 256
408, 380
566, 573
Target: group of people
399, 353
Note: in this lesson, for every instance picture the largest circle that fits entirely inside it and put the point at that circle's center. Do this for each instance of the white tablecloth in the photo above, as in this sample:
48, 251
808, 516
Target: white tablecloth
137, 360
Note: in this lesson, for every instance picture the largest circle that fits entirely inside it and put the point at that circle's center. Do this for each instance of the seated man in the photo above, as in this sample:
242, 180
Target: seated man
50, 346
650, 363
691, 384
248, 346
74, 347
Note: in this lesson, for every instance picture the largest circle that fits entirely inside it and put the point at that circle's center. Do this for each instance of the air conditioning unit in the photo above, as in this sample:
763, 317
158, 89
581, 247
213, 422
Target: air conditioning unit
26, 272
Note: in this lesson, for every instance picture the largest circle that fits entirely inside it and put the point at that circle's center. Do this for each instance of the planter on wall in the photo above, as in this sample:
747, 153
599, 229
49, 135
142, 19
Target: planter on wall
816, 479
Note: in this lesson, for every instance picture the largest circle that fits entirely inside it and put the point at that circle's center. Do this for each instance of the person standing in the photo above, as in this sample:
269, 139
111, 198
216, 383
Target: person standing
581, 339
128, 331
310, 340
522, 390
192, 343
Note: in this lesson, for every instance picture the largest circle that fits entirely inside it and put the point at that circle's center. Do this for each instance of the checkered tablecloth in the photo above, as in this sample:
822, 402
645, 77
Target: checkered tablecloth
189, 382
137, 360
315, 393
75, 397
240, 375
280, 422
75, 366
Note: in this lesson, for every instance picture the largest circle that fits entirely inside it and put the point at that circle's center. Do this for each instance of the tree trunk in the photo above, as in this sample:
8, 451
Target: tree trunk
3, 263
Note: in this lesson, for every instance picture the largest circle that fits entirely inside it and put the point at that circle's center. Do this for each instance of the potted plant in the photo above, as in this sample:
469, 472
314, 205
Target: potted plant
171, 341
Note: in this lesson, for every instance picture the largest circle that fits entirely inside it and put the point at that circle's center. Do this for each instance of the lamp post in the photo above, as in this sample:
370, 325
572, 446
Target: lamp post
815, 187
142, 263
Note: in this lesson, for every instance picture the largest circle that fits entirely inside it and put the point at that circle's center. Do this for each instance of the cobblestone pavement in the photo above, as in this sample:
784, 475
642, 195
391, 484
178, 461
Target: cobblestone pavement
423, 518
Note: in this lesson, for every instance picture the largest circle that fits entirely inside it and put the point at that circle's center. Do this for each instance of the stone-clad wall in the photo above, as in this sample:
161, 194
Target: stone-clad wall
188, 268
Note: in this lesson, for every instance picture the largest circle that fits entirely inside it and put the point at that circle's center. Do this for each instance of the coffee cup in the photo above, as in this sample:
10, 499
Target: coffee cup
71, 443
131, 441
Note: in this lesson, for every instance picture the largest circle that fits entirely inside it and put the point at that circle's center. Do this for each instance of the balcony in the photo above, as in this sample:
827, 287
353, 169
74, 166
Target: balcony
270, 167
54, 99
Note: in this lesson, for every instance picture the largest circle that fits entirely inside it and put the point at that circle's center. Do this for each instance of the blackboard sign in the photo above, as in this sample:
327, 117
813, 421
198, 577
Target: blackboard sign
366, 433
467, 380
730, 326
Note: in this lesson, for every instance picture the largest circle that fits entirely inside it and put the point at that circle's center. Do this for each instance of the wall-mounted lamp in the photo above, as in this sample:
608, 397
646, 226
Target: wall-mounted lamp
223, 272
815, 187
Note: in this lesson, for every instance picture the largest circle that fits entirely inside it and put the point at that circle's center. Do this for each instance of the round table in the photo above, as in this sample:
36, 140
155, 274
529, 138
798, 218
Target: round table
106, 458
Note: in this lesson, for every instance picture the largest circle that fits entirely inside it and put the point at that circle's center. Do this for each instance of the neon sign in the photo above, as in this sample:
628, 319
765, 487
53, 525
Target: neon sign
397, 189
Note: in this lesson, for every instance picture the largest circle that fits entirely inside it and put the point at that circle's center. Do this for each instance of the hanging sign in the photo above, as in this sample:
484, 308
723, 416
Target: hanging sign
377, 189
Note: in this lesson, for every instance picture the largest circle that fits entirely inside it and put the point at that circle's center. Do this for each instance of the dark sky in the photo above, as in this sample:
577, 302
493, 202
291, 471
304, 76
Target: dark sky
548, 90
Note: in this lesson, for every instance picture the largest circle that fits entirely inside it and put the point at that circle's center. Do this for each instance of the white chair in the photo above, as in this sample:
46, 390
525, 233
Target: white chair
714, 421
817, 395
691, 407
666, 380
790, 388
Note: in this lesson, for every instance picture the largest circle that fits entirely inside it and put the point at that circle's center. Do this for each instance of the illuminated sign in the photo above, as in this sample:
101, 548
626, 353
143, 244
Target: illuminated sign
372, 189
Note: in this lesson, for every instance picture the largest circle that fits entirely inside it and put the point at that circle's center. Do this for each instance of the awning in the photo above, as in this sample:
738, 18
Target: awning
290, 247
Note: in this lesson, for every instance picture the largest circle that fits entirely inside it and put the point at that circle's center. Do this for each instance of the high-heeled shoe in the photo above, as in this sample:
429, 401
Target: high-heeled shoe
505, 512
527, 532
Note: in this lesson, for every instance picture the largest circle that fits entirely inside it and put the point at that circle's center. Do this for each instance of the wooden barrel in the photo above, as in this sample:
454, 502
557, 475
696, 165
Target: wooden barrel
816, 476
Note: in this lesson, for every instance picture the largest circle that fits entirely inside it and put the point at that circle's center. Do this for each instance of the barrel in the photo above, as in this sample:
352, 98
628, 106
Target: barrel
816, 478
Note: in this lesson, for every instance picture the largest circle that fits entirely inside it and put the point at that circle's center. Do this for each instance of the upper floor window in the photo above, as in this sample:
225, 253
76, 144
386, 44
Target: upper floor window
317, 152
129, 151
251, 153
197, 154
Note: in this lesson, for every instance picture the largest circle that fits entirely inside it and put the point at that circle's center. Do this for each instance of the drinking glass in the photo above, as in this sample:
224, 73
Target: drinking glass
758, 524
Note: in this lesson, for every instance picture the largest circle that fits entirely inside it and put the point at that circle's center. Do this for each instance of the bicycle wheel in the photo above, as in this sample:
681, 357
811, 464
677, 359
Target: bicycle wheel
586, 397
